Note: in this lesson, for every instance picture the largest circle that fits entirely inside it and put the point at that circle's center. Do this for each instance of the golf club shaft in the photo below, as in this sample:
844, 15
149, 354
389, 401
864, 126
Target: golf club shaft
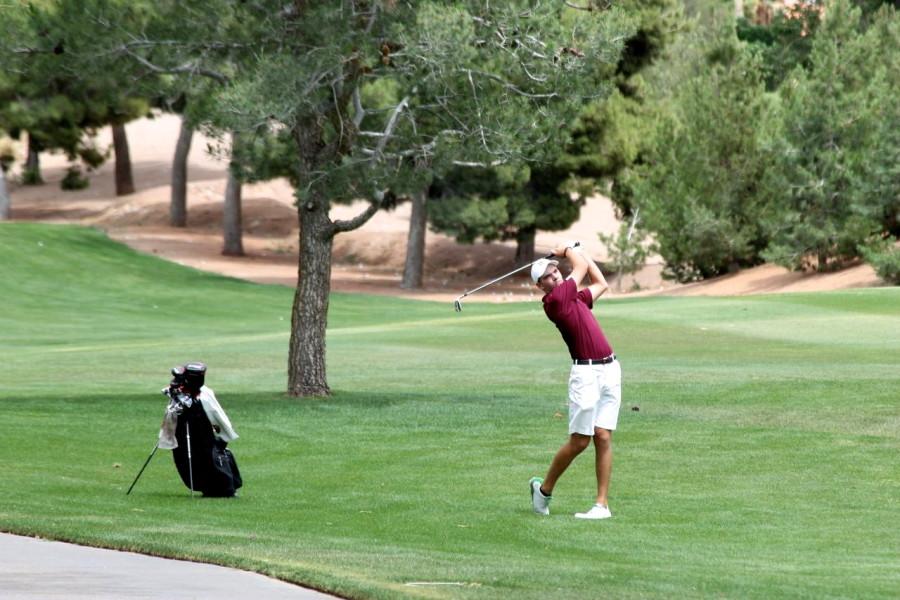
190, 464
147, 462
481, 287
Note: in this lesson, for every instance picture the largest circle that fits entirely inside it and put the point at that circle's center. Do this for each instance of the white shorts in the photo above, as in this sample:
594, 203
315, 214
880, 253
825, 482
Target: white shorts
595, 394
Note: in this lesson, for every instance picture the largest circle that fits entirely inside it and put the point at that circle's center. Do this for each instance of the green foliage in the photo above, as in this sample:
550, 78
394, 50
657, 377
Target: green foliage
31, 177
502, 203
801, 178
74, 180
871, 7
606, 136
785, 43
466, 81
627, 250
884, 256
48, 93
92, 156
657, 22
263, 155
698, 186
367, 93
839, 155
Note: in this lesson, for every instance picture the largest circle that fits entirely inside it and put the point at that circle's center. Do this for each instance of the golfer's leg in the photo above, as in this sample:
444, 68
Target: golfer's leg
603, 445
564, 457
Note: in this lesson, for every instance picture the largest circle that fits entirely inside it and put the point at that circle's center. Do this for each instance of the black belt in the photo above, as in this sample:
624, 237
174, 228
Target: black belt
594, 361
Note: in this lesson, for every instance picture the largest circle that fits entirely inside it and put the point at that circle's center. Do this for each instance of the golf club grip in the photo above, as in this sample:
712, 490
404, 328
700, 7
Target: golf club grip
575, 245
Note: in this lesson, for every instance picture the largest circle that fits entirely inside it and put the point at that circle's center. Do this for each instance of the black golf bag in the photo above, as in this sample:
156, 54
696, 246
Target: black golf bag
212, 469
203, 461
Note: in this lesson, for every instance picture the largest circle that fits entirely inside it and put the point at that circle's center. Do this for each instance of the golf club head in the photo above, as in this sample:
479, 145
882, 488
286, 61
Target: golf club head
457, 305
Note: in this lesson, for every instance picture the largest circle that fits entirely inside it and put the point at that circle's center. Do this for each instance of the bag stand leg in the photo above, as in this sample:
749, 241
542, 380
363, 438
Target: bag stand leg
190, 464
147, 462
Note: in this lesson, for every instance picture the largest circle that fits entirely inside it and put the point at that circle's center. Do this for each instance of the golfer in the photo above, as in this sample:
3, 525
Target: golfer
594, 381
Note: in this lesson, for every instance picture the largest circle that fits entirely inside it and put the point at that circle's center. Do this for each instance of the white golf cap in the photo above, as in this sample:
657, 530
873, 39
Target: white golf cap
539, 268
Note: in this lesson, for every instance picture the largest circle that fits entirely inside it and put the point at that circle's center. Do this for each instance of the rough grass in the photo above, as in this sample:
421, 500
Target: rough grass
762, 462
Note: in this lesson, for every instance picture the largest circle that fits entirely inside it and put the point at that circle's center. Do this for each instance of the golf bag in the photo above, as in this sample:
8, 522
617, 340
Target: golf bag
211, 467
198, 446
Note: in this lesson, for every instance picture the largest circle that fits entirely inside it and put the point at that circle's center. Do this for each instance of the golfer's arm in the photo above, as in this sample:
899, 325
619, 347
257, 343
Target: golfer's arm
579, 265
598, 281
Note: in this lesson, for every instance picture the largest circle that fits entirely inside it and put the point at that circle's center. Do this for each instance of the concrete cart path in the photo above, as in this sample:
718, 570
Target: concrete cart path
32, 568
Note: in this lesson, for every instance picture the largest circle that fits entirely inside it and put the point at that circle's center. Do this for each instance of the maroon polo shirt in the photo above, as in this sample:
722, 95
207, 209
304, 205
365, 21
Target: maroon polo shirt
570, 311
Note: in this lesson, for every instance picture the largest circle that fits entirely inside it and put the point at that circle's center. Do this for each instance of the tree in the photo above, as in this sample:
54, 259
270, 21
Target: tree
231, 213
785, 42
415, 242
61, 107
476, 81
6, 159
7, 153
698, 187
504, 203
627, 253
840, 148
603, 139
178, 202
124, 178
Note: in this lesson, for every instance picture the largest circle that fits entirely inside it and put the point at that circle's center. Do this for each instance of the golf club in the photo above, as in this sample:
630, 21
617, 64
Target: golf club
187, 426
147, 462
457, 304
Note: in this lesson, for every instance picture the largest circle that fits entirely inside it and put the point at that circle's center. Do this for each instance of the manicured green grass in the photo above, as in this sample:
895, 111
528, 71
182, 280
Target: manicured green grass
763, 461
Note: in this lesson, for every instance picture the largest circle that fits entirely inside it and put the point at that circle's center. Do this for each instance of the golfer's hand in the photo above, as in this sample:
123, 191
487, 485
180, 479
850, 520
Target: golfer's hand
561, 248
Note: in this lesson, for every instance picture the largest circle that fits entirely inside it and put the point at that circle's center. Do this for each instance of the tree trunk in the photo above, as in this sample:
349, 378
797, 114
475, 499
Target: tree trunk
32, 173
415, 242
524, 246
4, 196
306, 360
821, 261
231, 217
124, 179
178, 204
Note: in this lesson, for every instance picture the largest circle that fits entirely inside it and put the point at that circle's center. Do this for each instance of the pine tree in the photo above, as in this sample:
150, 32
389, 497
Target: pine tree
474, 82
699, 184
840, 150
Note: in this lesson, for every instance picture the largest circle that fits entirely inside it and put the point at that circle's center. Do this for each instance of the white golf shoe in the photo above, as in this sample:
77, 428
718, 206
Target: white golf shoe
539, 501
597, 511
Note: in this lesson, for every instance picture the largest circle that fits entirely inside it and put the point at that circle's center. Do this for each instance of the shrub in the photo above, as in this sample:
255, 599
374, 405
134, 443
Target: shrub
74, 180
884, 256
627, 251
32, 177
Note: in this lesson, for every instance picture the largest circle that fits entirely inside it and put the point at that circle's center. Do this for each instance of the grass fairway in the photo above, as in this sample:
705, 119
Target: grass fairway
763, 461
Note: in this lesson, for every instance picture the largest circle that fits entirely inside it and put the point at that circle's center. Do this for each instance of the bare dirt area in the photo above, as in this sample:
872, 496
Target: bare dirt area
368, 260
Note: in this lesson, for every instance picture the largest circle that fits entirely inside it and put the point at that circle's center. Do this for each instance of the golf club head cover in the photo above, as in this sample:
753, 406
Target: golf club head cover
177, 376
194, 376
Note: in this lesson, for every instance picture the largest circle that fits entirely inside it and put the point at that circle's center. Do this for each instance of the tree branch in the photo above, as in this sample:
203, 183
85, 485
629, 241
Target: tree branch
363, 217
360, 112
590, 7
360, 219
483, 165
509, 85
188, 67
389, 129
